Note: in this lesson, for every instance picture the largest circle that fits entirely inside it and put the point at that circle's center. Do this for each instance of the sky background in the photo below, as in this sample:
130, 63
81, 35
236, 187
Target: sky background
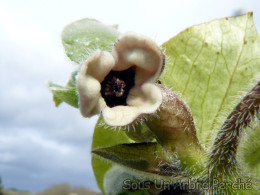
40, 144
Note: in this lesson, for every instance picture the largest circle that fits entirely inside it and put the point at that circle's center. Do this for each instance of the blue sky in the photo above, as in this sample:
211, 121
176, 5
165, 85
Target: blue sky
42, 145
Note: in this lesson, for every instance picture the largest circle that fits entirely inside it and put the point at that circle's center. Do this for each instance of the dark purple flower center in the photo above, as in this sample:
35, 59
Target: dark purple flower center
116, 86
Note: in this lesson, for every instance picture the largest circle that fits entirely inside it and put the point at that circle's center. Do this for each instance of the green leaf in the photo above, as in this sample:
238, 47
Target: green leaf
56, 100
118, 180
72, 80
209, 65
140, 132
64, 94
145, 157
105, 136
251, 149
80, 39
84, 36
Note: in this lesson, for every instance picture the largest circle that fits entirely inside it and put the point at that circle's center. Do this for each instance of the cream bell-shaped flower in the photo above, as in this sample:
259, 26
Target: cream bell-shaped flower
121, 85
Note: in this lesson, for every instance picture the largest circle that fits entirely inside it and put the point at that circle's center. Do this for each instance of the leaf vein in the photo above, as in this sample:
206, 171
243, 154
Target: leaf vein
192, 67
229, 83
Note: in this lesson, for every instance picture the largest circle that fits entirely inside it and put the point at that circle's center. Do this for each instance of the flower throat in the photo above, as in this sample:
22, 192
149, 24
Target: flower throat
116, 86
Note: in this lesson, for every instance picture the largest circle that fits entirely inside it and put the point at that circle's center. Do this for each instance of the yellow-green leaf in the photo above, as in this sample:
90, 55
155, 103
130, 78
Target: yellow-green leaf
210, 64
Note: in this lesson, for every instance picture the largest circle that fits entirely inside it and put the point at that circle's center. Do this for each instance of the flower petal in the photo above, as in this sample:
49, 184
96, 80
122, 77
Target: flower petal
141, 100
92, 72
133, 49
89, 95
120, 115
147, 98
99, 65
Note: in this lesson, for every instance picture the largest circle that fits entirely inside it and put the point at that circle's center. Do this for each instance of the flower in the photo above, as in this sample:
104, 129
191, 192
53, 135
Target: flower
122, 85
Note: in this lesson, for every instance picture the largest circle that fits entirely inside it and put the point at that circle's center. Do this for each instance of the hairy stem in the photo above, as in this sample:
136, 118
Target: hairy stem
223, 162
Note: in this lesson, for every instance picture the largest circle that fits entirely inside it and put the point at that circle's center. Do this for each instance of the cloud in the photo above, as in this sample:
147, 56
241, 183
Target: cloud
31, 156
40, 144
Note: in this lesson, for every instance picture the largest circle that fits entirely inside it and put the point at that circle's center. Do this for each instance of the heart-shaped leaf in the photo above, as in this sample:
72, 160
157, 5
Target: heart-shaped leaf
209, 65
